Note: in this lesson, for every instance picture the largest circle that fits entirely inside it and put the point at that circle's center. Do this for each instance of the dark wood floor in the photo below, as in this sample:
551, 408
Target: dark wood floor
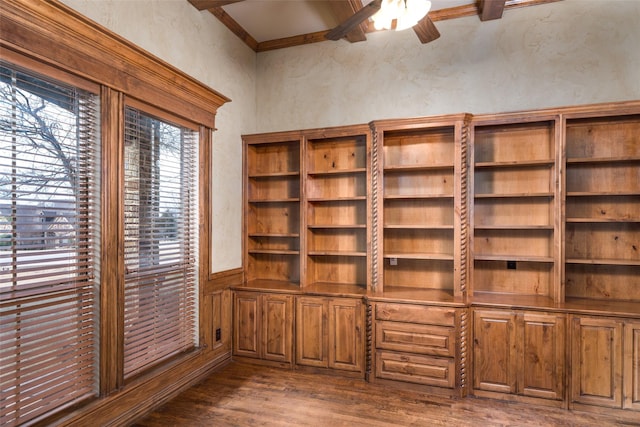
248, 395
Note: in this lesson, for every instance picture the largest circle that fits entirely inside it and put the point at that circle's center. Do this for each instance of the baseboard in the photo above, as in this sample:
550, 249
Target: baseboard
137, 400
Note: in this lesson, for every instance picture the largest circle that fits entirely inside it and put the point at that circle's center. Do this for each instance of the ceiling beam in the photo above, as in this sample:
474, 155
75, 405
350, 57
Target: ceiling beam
299, 40
426, 30
236, 28
210, 4
491, 9
434, 16
345, 9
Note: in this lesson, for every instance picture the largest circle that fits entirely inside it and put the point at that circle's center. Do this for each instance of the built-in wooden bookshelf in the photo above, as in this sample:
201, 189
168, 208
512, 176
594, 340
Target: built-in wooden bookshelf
420, 210
337, 207
307, 220
514, 205
272, 208
602, 213
485, 255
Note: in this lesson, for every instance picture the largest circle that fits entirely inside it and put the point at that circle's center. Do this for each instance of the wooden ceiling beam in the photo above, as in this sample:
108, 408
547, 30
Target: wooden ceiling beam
491, 9
434, 16
236, 28
426, 30
345, 9
210, 4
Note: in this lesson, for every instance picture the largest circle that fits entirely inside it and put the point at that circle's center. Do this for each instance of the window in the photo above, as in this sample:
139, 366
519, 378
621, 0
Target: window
68, 293
161, 240
49, 245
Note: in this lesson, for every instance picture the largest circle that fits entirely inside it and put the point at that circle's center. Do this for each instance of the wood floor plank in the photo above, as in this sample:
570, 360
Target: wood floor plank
248, 395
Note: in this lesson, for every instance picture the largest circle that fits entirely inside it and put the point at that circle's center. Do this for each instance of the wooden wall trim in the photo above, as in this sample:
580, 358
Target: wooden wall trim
112, 250
58, 35
224, 280
147, 394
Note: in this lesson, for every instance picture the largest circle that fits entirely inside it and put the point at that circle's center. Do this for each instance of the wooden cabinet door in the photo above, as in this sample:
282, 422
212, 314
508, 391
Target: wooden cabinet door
277, 327
311, 332
596, 361
494, 351
346, 334
246, 339
542, 355
632, 366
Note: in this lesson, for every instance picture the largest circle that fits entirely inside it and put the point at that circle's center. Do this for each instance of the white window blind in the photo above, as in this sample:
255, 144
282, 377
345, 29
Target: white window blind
161, 240
49, 245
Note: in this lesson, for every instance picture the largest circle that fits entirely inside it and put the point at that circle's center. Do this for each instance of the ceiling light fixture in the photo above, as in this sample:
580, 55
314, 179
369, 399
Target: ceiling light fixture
406, 13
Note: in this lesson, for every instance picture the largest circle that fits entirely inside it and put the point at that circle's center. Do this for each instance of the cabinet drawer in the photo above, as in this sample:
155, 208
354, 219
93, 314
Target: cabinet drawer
416, 314
439, 372
412, 338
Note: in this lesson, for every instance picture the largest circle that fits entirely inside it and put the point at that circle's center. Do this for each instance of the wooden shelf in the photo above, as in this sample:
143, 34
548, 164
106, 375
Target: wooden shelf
275, 200
592, 261
514, 227
272, 252
521, 258
336, 226
516, 164
593, 160
338, 172
416, 168
417, 196
418, 227
515, 195
420, 256
601, 193
336, 199
274, 175
278, 235
603, 220
337, 253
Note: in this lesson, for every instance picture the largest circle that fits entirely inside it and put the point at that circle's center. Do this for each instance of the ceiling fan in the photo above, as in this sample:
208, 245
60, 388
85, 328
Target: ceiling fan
425, 29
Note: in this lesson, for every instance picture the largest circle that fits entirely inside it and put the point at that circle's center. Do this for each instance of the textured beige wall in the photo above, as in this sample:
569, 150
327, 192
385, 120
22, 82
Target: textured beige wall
197, 43
566, 53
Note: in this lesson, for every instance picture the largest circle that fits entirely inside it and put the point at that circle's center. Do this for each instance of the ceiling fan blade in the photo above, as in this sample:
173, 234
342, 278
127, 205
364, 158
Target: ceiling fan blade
426, 30
345, 27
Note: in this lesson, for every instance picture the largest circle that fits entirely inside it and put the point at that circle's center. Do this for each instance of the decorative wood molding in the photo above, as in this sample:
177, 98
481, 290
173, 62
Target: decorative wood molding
463, 381
60, 36
464, 207
376, 198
